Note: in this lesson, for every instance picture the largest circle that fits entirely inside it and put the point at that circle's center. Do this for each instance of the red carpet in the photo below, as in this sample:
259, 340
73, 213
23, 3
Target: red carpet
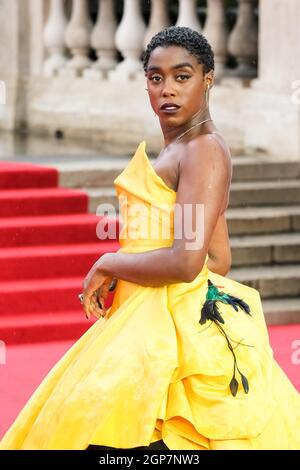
48, 243
15, 175
27, 364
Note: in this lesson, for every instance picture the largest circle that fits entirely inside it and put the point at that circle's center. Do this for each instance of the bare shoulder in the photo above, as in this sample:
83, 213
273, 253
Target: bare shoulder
207, 154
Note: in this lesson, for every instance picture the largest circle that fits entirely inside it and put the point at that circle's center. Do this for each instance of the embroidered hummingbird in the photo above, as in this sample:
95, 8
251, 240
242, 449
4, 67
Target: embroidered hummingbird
211, 312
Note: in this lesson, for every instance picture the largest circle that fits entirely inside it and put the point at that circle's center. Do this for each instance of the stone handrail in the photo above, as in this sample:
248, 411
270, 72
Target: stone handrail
76, 46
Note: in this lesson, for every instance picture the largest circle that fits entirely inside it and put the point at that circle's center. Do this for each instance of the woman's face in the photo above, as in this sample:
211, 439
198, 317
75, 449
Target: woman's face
176, 85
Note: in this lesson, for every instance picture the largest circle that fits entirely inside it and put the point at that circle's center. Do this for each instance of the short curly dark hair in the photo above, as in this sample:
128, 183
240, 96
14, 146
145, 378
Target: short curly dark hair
181, 36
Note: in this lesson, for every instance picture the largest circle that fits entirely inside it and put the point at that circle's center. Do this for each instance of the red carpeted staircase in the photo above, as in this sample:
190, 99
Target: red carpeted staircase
48, 243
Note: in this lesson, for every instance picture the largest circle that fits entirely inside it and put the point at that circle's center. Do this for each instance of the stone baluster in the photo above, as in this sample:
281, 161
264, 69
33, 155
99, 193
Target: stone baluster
77, 38
187, 15
54, 34
129, 41
215, 31
243, 39
159, 19
103, 37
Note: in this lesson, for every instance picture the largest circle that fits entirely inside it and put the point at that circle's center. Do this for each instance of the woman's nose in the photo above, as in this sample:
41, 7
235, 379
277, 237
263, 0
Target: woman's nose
168, 89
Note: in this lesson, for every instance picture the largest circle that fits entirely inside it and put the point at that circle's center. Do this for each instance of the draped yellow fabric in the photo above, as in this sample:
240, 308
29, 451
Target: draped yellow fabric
150, 371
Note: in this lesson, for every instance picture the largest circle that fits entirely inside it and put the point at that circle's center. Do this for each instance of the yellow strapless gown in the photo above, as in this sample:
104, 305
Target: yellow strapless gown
150, 371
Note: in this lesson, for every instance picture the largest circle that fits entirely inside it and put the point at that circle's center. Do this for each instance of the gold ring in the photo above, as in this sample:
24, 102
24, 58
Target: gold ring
113, 284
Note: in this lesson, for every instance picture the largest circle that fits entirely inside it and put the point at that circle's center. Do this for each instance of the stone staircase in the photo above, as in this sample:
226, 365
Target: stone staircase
263, 220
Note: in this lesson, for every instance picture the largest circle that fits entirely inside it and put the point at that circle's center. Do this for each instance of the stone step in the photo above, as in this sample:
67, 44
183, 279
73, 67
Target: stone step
91, 174
283, 311
265, 249
258, 193
271, 281
100, 196
102, 172
269, 219
263, 168
246, 220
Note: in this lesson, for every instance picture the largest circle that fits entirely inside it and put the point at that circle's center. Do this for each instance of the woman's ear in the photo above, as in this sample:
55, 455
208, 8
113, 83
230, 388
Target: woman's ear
209, 79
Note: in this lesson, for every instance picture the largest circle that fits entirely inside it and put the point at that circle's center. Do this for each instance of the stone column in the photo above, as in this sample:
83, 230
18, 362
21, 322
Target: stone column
159, 19
38, 13
215, 30
129, 41
54, 41
187, 15
77, 38
14, 62
242, 42
273, 110
278, 44
103, 37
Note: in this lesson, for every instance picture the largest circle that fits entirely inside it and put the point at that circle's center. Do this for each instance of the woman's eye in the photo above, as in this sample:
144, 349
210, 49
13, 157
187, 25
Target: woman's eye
183, 77
155, 78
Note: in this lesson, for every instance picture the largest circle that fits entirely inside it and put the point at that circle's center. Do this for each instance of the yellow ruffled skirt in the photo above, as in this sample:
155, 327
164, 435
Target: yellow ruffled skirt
150, 371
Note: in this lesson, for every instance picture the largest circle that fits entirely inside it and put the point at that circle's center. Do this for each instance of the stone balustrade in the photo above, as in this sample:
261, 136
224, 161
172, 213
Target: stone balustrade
111, 45
45, 42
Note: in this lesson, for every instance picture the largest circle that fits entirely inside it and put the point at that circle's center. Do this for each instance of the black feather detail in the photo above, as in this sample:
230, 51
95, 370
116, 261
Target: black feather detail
234, 385
245, 383
211, 312
207, 312
217, 315
234, 301
243, 305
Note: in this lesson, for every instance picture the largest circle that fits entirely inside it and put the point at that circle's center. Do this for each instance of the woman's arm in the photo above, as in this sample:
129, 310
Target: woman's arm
219, 251
204, 175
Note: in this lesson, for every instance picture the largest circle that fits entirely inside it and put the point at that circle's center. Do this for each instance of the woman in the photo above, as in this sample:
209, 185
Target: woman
182, 359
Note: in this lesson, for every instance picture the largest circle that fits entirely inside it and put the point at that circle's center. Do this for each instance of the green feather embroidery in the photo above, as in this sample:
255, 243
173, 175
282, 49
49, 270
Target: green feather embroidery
211, 312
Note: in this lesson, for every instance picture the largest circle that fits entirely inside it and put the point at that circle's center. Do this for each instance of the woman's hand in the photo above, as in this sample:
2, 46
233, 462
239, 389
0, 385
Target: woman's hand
95, 290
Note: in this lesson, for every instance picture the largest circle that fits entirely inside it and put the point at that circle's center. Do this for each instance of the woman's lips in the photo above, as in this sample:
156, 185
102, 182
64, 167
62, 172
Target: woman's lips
169, 108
